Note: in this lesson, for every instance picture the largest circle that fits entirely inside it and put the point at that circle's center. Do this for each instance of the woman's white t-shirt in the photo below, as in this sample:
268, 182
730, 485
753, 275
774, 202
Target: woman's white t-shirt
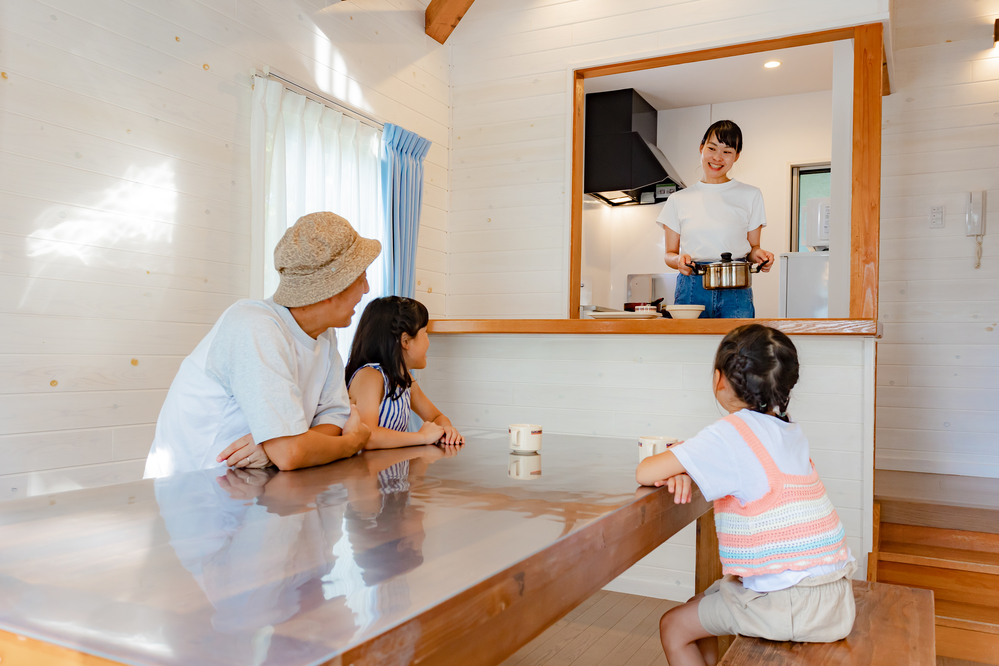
721, 463
712, 219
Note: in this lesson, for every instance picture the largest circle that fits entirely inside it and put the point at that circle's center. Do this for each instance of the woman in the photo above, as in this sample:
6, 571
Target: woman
716, 215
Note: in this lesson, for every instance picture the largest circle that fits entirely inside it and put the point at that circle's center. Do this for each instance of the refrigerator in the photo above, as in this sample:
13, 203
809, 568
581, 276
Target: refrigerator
804, 285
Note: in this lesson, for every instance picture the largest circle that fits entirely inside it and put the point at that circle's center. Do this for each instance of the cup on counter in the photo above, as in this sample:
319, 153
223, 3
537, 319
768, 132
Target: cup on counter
653, 445
525, 437
524, 465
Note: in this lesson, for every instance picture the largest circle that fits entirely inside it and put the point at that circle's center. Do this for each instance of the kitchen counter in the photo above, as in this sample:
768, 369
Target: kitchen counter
661, 326
651, 377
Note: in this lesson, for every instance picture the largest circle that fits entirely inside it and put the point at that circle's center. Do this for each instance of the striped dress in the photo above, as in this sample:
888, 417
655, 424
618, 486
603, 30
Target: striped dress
392, 413
793, 527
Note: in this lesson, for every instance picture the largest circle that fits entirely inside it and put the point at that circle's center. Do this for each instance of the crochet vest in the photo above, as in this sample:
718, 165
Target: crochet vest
792, 528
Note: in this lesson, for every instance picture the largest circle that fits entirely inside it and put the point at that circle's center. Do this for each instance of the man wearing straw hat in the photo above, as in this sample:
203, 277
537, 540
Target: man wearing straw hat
266, 384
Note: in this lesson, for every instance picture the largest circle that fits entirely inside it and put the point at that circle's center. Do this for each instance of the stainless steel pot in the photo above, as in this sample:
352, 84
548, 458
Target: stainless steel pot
728, 273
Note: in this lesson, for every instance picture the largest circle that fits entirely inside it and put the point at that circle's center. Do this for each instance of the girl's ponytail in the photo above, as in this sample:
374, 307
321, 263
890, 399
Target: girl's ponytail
761, 366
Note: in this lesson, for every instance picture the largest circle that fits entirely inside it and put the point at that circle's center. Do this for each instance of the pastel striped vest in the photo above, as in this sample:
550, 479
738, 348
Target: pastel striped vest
392, 413
791, 528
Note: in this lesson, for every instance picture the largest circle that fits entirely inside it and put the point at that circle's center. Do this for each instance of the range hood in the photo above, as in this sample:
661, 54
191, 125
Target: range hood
621, 158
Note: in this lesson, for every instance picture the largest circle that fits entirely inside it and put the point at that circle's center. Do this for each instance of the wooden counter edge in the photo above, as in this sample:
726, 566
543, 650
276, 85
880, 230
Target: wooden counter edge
19, 649
491, 620
851, 327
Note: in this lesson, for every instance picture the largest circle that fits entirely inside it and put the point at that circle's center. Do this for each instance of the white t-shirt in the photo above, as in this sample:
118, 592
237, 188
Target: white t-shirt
721, 464
255, 372
712, 219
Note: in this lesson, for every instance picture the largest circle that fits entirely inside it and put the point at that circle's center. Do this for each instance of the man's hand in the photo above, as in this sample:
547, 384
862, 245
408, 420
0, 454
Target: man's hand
244, 484
355, 426
680, 486
244, 452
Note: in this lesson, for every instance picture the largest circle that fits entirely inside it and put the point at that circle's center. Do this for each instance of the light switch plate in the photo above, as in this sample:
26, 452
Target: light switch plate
936, 217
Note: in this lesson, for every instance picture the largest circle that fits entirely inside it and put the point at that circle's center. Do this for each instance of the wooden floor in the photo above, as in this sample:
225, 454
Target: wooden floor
612, 629
608, 629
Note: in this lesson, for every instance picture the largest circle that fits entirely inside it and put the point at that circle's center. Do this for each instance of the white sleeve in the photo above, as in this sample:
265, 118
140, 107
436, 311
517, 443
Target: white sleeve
251, 359
334, 403
757, 212
710, 462
669, 216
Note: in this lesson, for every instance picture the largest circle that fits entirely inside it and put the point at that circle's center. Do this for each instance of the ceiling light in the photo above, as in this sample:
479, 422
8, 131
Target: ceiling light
772, 64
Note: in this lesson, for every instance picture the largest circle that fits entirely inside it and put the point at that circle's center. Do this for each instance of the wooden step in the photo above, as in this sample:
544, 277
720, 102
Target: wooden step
967, 616
974, 646
981, 542
928, 514
947, 584
939, 557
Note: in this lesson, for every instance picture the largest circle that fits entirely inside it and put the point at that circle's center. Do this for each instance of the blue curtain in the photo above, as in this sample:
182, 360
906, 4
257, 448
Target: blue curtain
402, 178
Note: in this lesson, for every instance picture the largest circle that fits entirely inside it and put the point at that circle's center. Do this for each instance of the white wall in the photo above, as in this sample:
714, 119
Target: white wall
938, 365
778, 132
634, 385
595, 251
509, 215
124, 204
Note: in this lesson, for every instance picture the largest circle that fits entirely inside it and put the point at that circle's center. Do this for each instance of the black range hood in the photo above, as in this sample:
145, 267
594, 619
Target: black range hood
621, 158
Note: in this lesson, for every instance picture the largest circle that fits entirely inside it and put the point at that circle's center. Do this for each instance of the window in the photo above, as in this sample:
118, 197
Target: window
808, 181
308, 156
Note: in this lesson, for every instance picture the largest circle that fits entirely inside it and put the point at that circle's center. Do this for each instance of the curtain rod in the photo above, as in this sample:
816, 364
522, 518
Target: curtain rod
354, 112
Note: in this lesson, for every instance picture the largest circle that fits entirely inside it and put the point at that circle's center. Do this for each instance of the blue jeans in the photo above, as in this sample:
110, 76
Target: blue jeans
718, 303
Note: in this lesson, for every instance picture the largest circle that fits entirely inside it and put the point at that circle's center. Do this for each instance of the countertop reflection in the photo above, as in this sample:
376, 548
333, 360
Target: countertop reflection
261, 567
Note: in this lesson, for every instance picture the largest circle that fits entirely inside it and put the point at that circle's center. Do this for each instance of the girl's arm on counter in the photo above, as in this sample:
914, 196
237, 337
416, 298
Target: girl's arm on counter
658, 468
366, 391
665, 469
427, 411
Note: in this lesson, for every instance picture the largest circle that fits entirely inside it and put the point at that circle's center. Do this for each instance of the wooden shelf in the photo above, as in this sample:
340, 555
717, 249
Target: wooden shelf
852, 327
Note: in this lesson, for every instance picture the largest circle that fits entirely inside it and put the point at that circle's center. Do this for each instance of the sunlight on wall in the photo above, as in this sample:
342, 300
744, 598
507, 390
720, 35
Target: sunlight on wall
338, 83
139, 212
150, 206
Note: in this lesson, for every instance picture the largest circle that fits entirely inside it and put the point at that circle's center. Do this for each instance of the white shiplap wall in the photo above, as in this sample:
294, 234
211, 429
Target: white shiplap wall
509, 216
629, 386
938, 364
124, 197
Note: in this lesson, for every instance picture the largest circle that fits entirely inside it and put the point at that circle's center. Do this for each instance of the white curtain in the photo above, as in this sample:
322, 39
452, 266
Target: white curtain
306, 157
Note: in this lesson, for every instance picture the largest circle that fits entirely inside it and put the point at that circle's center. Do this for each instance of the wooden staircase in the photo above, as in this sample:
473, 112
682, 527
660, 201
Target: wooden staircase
954, 551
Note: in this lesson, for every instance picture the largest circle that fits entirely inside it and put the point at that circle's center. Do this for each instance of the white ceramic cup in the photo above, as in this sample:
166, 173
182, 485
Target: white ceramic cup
524, 466
653, 445
525, 437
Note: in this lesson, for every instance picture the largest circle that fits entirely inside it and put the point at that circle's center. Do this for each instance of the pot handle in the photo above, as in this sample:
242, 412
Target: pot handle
695, 269
759, 267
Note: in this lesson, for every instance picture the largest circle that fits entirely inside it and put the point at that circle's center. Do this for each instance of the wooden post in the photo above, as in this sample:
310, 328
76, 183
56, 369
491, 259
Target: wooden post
872, 558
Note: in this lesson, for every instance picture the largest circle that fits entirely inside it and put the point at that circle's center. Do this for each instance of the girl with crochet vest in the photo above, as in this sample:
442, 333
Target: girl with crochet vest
390, 342
783, 548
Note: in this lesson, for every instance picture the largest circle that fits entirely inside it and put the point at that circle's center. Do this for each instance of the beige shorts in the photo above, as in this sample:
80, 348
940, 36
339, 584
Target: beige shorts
816, 610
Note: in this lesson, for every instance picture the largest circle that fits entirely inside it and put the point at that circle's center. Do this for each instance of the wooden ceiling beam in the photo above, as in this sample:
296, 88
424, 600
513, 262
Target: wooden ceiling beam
443, 16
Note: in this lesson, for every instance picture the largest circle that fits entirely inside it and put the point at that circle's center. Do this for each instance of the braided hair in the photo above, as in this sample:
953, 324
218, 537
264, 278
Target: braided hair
761, 366
378, 339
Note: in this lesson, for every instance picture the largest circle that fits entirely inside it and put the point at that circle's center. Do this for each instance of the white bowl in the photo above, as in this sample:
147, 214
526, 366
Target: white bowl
685, 311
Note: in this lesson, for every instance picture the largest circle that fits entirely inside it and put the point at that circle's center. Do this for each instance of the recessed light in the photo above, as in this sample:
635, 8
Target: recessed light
772, 64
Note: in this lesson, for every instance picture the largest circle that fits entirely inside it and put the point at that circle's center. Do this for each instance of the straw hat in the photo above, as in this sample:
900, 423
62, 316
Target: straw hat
318, 257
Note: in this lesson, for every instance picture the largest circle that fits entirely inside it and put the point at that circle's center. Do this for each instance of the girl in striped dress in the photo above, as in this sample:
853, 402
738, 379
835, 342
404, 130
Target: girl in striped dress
782, 546
391, 341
